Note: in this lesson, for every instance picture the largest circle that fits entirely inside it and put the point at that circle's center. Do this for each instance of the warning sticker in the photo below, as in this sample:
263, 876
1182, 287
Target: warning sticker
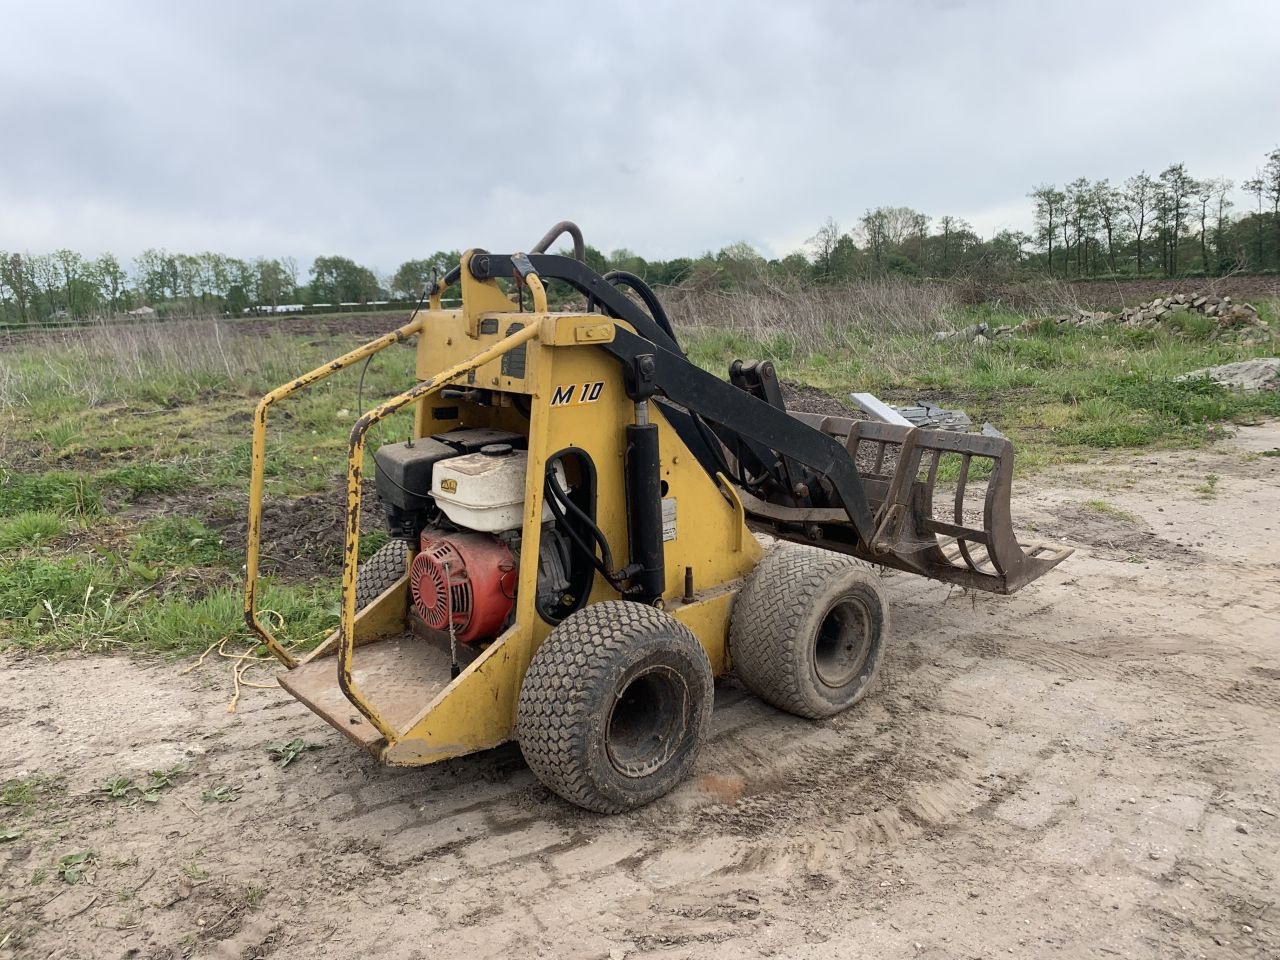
668, 519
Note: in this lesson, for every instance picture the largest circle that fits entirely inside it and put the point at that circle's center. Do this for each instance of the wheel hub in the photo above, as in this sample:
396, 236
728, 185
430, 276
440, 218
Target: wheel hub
647, 722
843, 643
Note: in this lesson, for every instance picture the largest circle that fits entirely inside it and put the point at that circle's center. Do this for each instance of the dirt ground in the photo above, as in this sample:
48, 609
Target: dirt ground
1088, 769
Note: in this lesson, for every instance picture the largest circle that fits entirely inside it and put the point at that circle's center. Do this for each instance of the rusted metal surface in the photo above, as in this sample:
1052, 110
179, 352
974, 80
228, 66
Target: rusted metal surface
400, 673
900, 467
257, 472
347, 639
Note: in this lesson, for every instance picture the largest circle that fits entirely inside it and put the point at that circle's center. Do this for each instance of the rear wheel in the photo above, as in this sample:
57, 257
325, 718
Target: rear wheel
808, 630
615, 706
385, 567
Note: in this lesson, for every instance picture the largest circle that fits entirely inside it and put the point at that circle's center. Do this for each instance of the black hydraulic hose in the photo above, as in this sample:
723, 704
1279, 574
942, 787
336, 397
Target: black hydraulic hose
563, 227
621, 278
558, 496
614, 578
548, 238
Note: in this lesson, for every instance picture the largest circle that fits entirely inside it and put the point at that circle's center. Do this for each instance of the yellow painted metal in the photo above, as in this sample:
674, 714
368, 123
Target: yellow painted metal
570, 396
355, 489
571, 331
477, 710
384, 616
257, 470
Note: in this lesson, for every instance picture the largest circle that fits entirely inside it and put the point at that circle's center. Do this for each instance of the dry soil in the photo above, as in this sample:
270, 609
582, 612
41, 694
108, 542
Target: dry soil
1088, 769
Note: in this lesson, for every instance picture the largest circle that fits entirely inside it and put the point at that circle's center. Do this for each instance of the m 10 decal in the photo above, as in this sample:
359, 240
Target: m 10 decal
567, 393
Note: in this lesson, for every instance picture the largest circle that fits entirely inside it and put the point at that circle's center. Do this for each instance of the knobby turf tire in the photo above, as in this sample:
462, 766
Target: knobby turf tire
615, 706
380, 571
807, 631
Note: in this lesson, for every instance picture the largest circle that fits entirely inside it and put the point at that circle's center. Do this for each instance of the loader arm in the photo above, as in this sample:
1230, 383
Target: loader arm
886, 518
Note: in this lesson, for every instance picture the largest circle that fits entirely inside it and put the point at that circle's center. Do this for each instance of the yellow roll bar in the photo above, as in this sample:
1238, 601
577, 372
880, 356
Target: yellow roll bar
257, 471
355, 488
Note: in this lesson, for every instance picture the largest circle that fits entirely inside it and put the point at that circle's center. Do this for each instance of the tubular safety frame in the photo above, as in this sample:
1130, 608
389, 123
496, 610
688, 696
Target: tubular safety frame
355, 485
257, 471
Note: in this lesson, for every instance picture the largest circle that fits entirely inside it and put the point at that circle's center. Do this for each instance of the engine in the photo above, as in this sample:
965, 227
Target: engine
460, 497
464, 579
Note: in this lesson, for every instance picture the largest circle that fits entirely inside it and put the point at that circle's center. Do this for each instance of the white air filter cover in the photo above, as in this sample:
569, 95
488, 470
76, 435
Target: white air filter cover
485, 491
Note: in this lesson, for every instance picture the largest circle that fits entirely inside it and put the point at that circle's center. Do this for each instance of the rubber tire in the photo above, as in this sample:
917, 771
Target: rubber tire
385, 567
574, 684
775, 627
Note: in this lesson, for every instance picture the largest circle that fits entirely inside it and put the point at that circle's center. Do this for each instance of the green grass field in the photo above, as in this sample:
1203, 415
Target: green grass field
124, 453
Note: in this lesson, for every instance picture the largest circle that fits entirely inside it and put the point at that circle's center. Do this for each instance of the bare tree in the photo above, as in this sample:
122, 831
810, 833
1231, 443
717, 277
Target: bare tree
1256, 187
875, 231
1049, 201
1177, 187
1139, 194
1108, 202
823, 244
1204, 196
1222, 203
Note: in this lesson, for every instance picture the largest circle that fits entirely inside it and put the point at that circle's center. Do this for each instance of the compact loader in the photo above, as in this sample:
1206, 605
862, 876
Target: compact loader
573, 555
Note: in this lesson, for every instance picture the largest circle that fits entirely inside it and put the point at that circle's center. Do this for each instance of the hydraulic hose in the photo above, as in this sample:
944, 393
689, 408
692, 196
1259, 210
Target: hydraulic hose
621, 278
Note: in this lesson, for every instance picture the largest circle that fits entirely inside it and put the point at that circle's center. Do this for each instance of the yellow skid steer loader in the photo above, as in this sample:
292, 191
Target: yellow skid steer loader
573, 558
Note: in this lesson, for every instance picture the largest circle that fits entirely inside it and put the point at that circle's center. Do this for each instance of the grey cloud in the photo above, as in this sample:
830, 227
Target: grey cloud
384, 131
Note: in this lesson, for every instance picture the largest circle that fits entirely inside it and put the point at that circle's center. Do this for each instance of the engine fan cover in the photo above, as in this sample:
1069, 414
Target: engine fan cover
469, 577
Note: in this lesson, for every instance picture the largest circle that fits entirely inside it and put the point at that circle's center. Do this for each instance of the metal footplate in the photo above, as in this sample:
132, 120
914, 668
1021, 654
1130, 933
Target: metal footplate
901, 468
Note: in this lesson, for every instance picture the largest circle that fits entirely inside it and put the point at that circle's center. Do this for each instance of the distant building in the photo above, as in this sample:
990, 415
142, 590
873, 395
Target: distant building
143, 313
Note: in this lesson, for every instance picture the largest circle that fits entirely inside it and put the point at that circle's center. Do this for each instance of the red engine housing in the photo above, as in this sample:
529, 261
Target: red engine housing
469, 576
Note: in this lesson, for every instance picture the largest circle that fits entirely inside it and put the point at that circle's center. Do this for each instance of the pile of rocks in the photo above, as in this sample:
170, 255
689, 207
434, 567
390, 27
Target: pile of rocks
1231, 321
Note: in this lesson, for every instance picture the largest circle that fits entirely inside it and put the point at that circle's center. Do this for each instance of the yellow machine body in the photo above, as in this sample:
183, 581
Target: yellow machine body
575, 398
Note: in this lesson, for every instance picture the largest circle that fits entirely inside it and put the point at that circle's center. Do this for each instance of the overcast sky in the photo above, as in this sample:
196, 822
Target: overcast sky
385, 131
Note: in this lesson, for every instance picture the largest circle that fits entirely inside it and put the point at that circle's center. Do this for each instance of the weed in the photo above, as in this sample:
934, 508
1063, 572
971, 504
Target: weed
72, 867
193, 871
120, 788
61, 435
39, 875
221, 794
29, 529
1109, 510
1209, 489
177, 542
254, 894
58, 492
139, 479
285, 753
117, 788
24, 793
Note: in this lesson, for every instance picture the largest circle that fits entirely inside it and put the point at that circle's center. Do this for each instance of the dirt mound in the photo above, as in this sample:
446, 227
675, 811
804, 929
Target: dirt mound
365, 326
801, 398
302, 536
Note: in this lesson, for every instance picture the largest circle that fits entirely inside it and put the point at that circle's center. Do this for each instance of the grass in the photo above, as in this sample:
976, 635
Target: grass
30, 528
1110, 510
1059, 393
96, 421
121, 450
25, 793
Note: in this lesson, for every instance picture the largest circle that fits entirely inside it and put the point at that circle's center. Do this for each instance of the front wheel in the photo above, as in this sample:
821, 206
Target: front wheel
615, 706
808, 630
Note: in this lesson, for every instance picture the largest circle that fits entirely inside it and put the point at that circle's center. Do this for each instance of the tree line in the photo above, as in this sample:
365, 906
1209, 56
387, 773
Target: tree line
1169, 224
